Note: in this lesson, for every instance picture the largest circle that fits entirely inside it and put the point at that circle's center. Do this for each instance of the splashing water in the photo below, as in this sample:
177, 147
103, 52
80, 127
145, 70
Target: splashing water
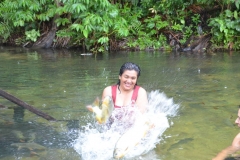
98, 141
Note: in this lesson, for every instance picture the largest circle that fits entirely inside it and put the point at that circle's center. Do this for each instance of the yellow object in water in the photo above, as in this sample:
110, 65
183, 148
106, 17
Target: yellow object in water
102, 111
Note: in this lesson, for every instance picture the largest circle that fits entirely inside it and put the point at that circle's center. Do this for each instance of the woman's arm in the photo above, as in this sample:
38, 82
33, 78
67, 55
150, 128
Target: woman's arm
107, 92
142, 100
229, 150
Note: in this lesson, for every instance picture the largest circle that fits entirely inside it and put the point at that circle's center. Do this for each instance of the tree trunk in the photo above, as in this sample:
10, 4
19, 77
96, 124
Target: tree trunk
47, 39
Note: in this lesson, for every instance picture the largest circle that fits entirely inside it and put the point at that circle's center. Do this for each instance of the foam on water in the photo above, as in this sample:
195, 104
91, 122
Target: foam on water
98, 142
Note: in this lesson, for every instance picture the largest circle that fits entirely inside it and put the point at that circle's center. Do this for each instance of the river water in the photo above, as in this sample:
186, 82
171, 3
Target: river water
197, 93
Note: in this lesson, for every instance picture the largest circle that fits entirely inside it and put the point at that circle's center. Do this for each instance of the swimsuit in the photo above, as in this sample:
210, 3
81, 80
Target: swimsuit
134, 95
123, 115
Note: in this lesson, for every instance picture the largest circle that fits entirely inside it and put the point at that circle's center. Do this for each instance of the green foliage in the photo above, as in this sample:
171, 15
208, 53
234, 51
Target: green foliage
155, 23
148, 33
188, 31
237, 3
32, 35
172, 7
47, 13
93, 23
226, 29
196, 19
18, 14
5, 30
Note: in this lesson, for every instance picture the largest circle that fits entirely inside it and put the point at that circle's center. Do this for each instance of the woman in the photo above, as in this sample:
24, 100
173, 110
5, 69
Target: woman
235, 144
126, 92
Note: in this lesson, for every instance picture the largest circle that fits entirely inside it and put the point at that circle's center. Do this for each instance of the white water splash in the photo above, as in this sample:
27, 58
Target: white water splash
98, 142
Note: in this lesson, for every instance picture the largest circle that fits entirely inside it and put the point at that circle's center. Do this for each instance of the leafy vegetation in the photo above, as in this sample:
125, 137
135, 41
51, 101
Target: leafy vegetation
102, 25
226, 29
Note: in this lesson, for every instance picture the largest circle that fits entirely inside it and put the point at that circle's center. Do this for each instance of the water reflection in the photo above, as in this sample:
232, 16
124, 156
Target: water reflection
62, 82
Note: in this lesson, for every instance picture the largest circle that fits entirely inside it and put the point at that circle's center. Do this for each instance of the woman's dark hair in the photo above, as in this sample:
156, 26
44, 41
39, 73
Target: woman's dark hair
129, 66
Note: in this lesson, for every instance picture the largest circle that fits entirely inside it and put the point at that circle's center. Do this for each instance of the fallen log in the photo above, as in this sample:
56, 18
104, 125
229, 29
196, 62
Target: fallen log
25, 105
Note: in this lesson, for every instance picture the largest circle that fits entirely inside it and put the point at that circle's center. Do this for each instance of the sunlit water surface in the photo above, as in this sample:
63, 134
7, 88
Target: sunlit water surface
193, 99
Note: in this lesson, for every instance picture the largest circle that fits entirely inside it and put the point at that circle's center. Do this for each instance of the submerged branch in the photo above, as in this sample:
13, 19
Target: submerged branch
25, 105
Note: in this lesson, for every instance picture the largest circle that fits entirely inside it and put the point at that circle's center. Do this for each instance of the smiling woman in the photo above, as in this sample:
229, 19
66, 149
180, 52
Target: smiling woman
126, 92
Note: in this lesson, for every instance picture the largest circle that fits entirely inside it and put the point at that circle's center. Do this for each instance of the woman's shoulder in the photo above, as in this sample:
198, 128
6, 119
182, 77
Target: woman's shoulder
141, 89
107, 91
108, 88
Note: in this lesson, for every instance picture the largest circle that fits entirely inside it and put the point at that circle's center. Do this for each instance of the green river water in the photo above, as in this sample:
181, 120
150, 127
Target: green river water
62, 82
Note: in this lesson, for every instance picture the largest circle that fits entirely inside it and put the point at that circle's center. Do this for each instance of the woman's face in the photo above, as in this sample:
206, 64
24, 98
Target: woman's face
237, 121
128, 79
